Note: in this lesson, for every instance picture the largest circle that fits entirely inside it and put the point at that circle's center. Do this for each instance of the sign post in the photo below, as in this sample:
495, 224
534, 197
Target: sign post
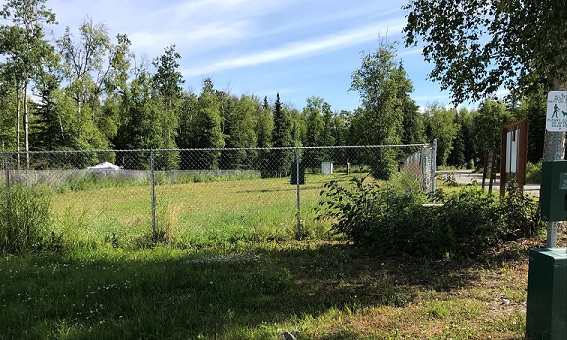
556, 118
556, 125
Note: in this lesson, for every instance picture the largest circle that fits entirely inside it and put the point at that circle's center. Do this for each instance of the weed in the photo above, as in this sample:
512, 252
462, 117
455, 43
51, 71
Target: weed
167, 220
24, 218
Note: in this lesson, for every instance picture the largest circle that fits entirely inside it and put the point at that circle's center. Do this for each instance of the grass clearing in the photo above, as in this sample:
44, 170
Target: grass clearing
223, 279
222, 211
324, 289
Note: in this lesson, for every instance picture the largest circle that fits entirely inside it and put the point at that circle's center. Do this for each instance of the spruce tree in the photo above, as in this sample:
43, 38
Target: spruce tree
208, 133
279, 161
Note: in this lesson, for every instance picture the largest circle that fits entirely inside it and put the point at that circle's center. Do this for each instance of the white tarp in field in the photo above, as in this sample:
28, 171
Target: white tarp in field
105, 166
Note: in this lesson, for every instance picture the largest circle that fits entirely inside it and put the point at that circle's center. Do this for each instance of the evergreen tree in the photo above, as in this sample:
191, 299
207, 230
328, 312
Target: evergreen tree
167, 92
8, 116
167, 80
50, 133
143, 126
279, 161
413, 131
340, 135
264, 124
187, 115
208, 132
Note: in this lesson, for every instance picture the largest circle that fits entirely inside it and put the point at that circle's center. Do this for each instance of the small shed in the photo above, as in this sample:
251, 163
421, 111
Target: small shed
327, 168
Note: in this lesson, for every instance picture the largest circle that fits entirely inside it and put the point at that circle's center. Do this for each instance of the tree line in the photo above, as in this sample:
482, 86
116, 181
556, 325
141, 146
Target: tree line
88, 91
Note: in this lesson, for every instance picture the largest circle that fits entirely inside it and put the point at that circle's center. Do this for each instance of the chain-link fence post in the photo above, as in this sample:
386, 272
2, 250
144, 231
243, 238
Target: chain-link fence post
297, 167
152, 184
6, 170
433, 164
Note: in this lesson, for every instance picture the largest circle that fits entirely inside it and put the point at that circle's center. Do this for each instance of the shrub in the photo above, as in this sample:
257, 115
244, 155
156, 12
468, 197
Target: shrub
24, 218
533, 172
393, 219
521, 213
363, 210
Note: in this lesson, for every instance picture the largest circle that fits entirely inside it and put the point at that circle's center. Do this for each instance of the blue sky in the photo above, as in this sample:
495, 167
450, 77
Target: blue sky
299, 48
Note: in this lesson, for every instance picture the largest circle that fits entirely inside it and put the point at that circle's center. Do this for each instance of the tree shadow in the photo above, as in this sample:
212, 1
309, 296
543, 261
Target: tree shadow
185, 295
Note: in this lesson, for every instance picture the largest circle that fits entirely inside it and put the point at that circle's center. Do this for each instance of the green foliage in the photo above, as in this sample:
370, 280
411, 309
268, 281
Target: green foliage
394, 220
167, 80
264, 124
312, 114
208, 133
521, 213
457, 156
488, 121
278, 161
533, 172
383, 87
477, 46
440, 124
24, 218
533, 108
241, 133
362, 209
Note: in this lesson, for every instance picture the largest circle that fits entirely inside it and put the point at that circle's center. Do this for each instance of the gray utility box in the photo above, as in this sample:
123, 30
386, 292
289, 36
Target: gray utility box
546, 316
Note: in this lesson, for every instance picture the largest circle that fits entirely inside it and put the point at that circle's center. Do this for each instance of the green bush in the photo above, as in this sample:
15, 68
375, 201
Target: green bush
521, 212
24, 219
533, 172
393, 219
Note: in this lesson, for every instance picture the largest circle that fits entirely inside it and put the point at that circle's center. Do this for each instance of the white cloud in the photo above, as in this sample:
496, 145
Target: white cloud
410, 52
300, 49
206, 36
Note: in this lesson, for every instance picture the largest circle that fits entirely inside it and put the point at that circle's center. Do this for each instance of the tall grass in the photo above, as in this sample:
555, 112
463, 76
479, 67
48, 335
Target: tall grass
24, 218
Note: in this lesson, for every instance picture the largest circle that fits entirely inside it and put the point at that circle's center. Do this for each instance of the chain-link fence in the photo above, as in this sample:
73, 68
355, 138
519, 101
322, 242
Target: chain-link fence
423, 163
198, 196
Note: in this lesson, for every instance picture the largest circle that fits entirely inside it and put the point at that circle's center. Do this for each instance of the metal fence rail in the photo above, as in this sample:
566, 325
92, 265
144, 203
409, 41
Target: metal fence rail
178, 178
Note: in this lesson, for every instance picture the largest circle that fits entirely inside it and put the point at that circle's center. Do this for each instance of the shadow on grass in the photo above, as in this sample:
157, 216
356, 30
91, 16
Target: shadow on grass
176, 294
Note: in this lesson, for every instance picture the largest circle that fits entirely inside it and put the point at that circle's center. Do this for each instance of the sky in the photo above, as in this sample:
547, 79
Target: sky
299, 48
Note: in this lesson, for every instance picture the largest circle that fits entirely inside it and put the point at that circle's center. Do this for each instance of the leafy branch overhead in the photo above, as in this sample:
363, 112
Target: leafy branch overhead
478, 46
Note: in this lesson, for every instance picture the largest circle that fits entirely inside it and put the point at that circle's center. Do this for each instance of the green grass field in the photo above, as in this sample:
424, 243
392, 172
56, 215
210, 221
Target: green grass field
202, 213
235, 271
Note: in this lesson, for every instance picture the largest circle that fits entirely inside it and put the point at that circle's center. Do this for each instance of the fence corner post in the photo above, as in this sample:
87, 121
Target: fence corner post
433, 164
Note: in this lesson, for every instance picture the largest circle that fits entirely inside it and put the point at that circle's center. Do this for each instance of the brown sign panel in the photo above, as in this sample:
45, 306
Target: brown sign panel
513, 154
